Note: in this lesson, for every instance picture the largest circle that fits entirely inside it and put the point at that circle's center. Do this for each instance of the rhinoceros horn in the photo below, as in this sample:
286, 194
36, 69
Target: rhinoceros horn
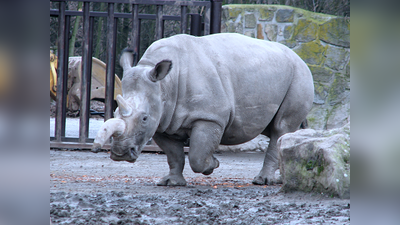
123, 106
112, 127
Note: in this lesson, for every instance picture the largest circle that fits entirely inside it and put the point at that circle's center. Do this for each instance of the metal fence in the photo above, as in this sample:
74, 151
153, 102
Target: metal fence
208, 24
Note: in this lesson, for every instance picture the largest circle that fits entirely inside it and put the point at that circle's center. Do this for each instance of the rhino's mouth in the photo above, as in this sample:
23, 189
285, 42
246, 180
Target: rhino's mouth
130, 156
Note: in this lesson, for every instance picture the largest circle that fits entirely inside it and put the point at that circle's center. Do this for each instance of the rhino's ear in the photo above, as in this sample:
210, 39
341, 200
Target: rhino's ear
128, 56
160, 70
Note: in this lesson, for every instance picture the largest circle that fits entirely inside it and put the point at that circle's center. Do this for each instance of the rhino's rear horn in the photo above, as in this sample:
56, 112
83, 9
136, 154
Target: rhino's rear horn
123, 106
128, 58
112, 127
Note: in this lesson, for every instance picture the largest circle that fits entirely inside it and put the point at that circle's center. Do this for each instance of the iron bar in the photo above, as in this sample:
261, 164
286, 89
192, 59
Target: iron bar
145, 2
110, 65
135, 32
159, 22
183, 19
216, 6
195, 24
61, 76
85, 76
54, 12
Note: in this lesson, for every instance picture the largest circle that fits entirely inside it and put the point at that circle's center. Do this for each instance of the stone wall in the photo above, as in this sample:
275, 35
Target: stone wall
322, 41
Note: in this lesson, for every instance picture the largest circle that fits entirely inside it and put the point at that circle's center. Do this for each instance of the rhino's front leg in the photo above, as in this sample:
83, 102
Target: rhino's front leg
176, 160
204, 139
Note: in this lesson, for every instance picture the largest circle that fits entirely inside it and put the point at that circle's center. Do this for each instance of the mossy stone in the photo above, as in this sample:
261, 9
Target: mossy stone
336, 57
338, 92
249, 34
271, 30
321, 73
311, 52
234, 12
249, 21
336, 31
289, 43
320, 93
285, 15
288, 31
305, 31
266, 14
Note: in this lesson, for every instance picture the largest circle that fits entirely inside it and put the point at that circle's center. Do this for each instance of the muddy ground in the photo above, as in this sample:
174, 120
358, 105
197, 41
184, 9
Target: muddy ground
89, 188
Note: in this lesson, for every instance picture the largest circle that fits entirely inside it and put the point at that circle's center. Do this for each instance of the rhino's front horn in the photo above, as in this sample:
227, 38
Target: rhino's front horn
123, 106
112, 127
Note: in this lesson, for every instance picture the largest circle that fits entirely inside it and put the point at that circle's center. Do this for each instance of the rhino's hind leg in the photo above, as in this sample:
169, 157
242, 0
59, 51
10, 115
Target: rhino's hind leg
205, 138
271, 164
176, 160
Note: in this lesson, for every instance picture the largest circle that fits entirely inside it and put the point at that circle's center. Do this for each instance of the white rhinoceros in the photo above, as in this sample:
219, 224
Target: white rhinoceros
217, 89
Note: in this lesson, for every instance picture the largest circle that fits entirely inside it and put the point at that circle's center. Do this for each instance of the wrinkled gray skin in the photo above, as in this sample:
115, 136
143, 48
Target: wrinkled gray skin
221, 88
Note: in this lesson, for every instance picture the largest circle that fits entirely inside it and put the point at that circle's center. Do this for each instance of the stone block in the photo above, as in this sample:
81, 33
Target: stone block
339, 90
260, 32
289, 43
288, 31
311, 52
320, 93
271, 30
316, 161
339, 116
336, 57
266, 14
336, 31
321, 74
249, 33
305, 31
249, 21
285, 15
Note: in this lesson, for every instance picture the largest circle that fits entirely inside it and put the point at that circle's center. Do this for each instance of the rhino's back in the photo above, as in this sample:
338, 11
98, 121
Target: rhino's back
236, 81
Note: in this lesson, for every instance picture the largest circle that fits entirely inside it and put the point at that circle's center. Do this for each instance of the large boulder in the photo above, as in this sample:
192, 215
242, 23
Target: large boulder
316, 161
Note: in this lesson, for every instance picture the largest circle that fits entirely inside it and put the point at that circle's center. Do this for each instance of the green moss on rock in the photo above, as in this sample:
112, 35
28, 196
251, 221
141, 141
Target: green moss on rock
336, 31
266, 14
311, 52
336, 57
285, 15
321, 73
305, 31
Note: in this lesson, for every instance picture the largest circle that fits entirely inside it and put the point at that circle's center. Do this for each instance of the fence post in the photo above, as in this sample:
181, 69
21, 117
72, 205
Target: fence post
110, 65
61, 74
216, 6
135, 32
159, 22
195, 24
85, 76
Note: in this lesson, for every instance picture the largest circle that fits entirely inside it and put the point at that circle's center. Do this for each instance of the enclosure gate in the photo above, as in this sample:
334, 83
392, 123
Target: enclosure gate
212, 24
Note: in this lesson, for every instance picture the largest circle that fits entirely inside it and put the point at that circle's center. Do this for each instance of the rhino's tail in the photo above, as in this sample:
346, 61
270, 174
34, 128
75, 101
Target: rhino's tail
304, 124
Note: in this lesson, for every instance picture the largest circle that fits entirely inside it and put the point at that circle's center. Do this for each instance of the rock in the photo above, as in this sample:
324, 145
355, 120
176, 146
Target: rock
250, 21
271, 30
336, 31
316, 161
336, 57
285, 15
311, 52
305, 30
260, 143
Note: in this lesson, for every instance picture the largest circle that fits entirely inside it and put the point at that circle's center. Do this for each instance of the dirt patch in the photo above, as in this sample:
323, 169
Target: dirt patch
88, 188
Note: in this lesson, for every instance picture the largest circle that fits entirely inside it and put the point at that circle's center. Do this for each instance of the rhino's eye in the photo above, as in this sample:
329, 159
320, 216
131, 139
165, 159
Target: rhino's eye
145, 118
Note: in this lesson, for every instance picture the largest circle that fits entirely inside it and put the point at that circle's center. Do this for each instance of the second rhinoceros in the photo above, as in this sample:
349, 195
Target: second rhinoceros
217, 89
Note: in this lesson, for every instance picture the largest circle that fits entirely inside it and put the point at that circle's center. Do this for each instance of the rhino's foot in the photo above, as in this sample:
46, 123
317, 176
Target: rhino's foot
172, 180
211, 170
259, 180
